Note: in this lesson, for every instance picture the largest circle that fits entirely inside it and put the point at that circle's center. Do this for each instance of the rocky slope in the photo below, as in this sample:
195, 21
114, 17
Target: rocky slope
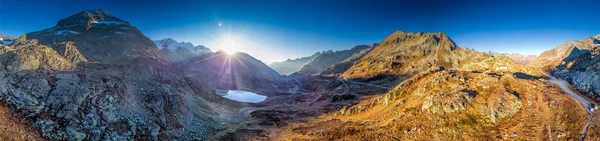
576, 62
180, 51
454, 105
326, 59
552, 58
83, 87
100, 37
290, 66
519, 58
451, 93
341, 67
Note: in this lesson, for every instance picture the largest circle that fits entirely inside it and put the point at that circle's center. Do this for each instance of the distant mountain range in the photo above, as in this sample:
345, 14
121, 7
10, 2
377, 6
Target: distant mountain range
519, 58
290, 66
329, 58
180, 51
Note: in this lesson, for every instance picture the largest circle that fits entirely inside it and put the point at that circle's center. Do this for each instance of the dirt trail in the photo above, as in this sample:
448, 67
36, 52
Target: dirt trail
588, 106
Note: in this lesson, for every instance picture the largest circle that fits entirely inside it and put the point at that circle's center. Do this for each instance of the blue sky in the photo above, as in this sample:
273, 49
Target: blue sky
274, 30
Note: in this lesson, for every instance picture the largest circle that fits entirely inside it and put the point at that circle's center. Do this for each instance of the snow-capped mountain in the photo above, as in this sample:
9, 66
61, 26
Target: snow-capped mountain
180, 51
171, 44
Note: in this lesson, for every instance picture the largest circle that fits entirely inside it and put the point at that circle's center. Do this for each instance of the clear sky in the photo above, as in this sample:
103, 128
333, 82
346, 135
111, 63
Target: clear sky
274, 30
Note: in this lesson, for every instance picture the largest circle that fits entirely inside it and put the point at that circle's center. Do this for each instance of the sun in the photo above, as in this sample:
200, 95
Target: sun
229, 51
229, 46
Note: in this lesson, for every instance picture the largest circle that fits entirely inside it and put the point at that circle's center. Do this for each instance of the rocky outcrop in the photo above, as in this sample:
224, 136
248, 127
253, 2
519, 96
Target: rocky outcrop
70, 52
99, 37
584, 81
290, 66
27, 55
329, 58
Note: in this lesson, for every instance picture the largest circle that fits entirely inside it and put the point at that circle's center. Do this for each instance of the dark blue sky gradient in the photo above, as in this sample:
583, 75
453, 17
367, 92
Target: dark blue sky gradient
274, 30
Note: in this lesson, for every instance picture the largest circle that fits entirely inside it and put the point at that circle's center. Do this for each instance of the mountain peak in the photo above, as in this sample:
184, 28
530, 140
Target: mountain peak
89, 17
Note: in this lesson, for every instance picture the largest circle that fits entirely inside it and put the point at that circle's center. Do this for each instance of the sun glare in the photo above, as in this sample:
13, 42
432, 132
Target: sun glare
230, 47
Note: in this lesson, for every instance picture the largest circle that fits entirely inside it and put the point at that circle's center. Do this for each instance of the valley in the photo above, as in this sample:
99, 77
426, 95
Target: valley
95, 76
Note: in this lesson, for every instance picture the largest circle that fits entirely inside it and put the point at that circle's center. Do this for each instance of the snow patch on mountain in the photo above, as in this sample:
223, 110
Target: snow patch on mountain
64, 32
109, 22
171, 44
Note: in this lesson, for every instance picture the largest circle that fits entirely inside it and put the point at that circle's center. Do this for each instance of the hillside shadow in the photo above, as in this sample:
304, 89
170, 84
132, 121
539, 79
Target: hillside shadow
521, 75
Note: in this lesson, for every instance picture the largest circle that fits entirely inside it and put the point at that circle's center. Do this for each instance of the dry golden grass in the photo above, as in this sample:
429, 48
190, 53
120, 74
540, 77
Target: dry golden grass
15, 129
505, 107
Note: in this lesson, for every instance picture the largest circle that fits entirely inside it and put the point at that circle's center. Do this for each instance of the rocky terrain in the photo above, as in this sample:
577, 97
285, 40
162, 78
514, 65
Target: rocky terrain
58, 83
453, 97
454, 105
290, 66
326, 59
519, 58
181, 51
576, 62
93, 76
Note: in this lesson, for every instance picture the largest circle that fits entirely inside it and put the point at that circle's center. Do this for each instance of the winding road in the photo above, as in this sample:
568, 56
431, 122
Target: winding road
588, 106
